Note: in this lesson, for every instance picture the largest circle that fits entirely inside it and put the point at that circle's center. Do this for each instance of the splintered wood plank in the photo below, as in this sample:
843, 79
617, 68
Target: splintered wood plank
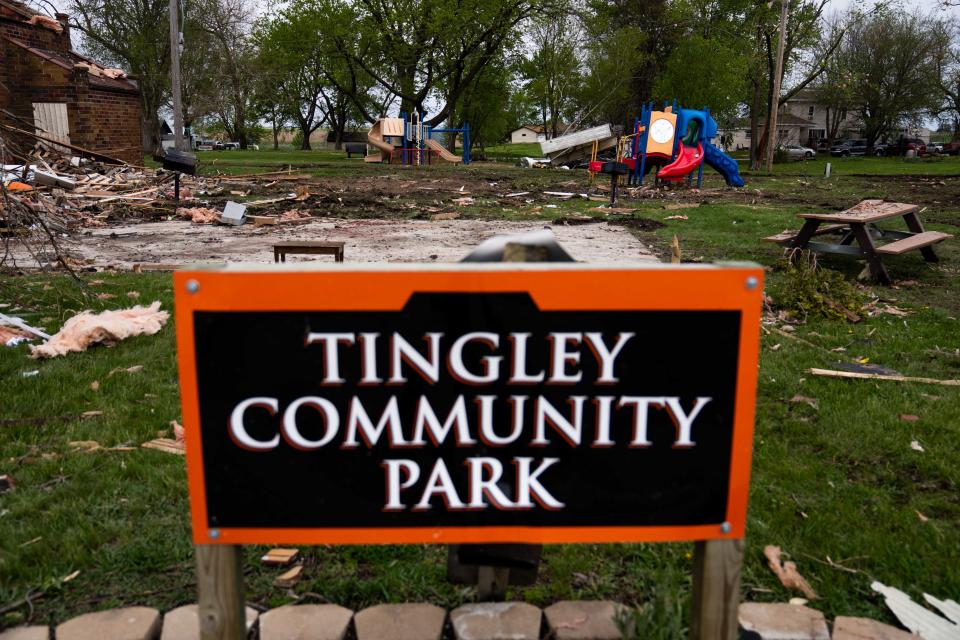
289, 578
166, 445
279, 557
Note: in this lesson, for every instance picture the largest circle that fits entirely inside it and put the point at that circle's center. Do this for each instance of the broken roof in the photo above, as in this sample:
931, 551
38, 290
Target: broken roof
100, 76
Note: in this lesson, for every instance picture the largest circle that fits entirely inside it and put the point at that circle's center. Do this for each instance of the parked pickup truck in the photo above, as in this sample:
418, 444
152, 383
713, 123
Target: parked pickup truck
849, 148
953, 148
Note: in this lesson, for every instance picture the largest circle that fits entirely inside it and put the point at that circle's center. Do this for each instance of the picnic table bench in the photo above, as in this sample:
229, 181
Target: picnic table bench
322, 247
858, 223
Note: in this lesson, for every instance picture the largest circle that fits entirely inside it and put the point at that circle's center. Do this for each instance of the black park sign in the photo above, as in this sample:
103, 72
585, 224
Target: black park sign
469, 403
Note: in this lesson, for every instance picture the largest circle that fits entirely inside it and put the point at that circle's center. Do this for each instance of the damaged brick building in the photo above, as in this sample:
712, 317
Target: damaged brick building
66, 96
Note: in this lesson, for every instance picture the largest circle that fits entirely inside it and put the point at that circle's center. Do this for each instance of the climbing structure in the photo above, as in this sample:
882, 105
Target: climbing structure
675, 142
408, 140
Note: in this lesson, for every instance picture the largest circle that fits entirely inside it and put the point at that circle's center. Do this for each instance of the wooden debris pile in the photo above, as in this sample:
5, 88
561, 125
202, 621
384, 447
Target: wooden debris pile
51, 190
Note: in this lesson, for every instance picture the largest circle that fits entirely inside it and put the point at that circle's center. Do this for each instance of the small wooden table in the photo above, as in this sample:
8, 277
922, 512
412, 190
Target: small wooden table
321, 247
858, 223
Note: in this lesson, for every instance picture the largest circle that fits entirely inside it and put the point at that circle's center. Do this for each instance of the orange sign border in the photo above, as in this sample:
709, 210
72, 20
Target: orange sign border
554, 288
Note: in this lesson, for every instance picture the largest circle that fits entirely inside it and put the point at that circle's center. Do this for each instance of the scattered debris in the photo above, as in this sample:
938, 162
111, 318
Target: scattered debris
681, 205
279, 557
137, 368
11, 337
918, 619
289, 578
675, 254
234, 213
30, 374
906, 417
178, 432
813, 402
7, 483
921, 517
108, 327
23, 326
262, 221
166, 445
787, 572
451, 215
915, 445
829, 373
199, 215
677, 217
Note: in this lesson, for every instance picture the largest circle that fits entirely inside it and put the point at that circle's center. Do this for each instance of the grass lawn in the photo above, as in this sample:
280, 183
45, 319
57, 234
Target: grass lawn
836, 485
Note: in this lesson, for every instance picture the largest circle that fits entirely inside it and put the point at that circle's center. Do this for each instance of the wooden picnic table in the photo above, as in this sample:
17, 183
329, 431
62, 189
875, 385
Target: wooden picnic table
858, 223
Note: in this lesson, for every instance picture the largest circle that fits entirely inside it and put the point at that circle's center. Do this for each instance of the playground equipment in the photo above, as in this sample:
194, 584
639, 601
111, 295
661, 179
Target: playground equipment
416, 143
678, 141
574, 146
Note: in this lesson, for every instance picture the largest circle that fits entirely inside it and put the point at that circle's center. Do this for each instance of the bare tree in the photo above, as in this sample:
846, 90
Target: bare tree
947, 59
133, 34
227, 25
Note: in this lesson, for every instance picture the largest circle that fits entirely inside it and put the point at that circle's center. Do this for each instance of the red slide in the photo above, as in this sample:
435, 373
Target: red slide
688, 160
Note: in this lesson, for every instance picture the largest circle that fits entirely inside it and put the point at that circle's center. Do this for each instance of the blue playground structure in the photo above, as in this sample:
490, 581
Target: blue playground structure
677, 142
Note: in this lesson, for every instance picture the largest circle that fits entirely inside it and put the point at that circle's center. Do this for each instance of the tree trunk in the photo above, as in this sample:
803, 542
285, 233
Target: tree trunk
276, 133
305, 136
755, 109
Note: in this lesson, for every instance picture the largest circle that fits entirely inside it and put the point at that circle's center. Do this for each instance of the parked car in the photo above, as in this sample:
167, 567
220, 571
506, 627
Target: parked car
796, 152
952, 148
902, 146
231, 145
847, 148
934, 147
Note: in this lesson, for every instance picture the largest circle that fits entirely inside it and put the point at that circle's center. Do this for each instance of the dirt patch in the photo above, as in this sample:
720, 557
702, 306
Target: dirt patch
643, 224
366, 241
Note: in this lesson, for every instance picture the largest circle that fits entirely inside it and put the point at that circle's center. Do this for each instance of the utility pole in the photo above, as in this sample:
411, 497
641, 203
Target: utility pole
775, 98
175, 75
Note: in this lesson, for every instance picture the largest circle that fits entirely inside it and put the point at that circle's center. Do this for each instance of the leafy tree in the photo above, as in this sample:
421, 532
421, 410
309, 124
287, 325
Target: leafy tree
226, 23
834, 87
482, 105
947, 59
411, 47
803, 29
135, 35
293, 57
552, 72
608, 92
630, 41
718, 80
892, 58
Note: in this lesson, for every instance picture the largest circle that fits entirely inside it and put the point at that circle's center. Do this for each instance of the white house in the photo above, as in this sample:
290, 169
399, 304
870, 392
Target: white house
528, 133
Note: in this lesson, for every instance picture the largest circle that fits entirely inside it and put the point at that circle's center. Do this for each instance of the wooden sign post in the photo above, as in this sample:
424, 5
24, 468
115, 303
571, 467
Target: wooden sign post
471, 403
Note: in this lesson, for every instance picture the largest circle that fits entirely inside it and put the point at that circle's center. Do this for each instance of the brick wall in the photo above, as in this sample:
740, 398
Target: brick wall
35, 35
109, 122
100, 119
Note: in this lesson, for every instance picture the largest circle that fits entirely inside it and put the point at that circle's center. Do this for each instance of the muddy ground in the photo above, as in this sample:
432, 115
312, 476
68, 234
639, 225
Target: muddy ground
439, 214
367, 240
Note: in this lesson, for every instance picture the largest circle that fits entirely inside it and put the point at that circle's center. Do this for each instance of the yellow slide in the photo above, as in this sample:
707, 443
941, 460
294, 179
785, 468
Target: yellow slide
380, 129
443, 152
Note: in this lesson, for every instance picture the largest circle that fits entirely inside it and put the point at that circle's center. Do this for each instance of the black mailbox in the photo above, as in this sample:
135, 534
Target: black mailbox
180, 162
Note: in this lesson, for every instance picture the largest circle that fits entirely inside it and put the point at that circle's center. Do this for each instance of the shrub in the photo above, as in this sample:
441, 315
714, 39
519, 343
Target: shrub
811, 290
